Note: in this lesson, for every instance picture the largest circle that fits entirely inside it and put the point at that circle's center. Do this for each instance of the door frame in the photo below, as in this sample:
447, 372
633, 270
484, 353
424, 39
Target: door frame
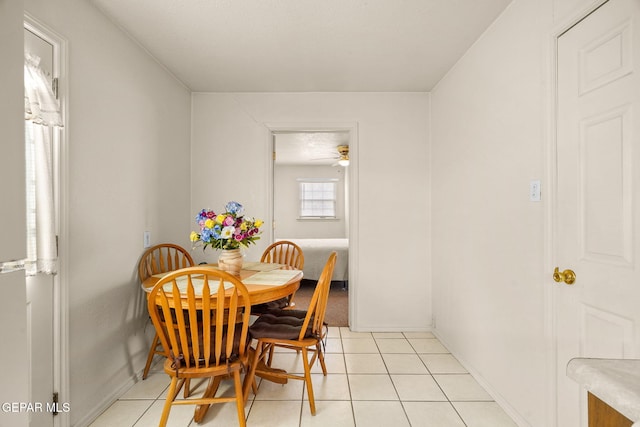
551, 212
60, 325
352, 189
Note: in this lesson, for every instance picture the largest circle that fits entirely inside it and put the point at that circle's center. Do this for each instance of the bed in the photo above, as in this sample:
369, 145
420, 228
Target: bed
316, 252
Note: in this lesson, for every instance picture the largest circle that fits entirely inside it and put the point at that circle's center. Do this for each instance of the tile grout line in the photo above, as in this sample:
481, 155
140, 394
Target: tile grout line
393, 383
438, 384
344, 360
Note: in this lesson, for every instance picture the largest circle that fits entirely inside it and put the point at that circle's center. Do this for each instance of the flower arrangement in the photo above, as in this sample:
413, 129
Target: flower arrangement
227, 230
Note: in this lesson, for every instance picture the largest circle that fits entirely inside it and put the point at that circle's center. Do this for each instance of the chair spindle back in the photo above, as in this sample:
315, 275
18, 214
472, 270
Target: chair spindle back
163, 258
200, 330
284, 252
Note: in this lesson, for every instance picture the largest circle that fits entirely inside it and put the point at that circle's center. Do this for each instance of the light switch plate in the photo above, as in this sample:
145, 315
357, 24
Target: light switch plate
147, 239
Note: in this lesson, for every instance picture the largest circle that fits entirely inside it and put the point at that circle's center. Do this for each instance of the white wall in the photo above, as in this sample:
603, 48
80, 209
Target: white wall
391, 288
490, 284
14, 382
287, 203
128, 171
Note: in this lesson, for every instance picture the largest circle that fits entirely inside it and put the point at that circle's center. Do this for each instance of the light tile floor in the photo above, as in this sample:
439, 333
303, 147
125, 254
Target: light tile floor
374, 379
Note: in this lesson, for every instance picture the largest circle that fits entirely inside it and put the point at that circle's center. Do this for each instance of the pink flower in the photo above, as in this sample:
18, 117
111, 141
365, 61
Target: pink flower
211, 214
228, 221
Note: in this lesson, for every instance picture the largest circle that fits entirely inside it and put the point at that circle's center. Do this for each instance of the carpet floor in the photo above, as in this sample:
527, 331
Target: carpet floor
337, 306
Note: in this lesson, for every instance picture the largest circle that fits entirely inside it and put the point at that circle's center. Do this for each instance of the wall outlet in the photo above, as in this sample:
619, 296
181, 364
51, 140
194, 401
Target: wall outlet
534, 190
147, 239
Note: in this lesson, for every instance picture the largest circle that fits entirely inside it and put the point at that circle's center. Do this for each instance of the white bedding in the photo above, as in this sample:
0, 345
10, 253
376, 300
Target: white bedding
316, 252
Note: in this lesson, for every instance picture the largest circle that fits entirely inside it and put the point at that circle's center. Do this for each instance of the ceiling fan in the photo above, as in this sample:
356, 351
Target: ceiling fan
342, 158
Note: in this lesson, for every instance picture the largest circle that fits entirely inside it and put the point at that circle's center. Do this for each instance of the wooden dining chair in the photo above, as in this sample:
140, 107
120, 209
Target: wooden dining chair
297, 330
286, 253
203, 334
158, 259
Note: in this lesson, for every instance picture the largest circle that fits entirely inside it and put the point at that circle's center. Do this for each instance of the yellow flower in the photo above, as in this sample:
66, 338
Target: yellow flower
258, 222
243, 226
220, 218
194, 236
209, 223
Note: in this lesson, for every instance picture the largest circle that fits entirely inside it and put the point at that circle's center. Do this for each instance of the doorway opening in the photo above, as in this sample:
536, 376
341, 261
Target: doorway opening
311, 206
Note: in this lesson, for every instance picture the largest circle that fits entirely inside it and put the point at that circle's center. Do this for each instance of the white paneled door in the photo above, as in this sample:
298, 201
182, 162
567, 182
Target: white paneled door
598, 192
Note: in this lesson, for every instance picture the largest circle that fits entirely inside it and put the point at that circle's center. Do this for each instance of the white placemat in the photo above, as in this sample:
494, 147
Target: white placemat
273, 277
261, 266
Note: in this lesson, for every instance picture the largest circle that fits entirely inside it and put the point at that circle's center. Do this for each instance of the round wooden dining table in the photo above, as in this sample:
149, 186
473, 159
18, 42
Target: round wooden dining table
265, 282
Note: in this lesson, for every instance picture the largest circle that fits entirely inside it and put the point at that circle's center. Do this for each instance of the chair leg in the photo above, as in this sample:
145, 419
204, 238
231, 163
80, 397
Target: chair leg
254, 385
270, 358
187, 387
167, 404
321, 358
180, 384
152, 352
307, 380
249, 378
239, 398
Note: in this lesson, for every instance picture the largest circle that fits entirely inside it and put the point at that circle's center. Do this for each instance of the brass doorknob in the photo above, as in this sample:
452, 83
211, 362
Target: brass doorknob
567, 276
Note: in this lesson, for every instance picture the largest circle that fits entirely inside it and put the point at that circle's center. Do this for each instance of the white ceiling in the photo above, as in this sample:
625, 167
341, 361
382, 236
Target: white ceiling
309, 148
305, 45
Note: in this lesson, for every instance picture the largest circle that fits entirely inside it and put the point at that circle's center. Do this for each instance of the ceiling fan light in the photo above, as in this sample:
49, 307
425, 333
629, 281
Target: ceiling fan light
343, 150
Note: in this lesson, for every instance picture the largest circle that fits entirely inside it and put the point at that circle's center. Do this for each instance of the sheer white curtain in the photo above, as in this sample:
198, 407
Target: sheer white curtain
42, 114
